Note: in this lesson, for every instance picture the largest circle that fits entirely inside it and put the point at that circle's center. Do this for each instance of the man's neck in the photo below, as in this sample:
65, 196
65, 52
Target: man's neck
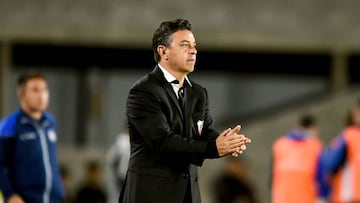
36, 115
180, 76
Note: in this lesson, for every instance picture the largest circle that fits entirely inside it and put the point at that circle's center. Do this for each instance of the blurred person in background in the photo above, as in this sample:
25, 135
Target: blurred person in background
233, 185
117, 161
170, 126
91, 189
342, 161
29, 171
67, 182
296, 169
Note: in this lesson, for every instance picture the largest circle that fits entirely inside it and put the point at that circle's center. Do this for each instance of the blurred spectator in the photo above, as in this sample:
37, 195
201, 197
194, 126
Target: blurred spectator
342, 163
234, 185
117, 161
66, 180
91, 190
29, 170
296, 172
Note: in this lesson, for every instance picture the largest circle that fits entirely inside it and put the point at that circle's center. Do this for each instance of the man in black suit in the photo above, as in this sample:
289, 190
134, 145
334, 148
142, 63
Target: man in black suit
170, 126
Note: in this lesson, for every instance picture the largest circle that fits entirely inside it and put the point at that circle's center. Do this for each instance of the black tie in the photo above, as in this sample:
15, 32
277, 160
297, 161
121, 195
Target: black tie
181, 99
181, 94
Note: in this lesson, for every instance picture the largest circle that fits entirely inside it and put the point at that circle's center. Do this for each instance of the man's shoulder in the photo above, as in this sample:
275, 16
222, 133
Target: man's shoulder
197, 86
198, 90
144, 80
147, 82
8, 124
49, 117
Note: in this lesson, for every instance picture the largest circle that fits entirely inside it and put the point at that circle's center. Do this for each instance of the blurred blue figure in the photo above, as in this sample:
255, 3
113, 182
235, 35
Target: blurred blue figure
29, 171
341, 161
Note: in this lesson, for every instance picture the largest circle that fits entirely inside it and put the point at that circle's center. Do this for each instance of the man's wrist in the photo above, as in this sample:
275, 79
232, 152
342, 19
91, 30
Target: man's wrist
212, 149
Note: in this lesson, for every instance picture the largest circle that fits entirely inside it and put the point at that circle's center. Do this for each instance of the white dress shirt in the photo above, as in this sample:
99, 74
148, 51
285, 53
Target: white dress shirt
170, 78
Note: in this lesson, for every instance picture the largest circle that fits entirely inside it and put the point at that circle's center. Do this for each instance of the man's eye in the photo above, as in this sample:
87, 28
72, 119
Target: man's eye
185, 45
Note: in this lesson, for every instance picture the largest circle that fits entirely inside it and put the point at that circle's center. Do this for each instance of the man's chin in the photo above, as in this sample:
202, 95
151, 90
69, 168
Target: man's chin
38, 109
191, 69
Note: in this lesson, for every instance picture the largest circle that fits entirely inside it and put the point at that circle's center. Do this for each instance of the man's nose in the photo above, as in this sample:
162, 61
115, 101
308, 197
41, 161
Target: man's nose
193, 50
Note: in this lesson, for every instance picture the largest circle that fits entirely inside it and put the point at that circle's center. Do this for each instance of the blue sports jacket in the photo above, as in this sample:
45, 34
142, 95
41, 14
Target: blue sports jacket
28, 158
333, 158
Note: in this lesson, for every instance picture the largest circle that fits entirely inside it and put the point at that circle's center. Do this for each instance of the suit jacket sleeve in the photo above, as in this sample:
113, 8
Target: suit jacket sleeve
209, 135
209, 132
145, 114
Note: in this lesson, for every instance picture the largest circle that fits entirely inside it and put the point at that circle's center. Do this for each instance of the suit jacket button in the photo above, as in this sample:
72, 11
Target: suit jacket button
185, 175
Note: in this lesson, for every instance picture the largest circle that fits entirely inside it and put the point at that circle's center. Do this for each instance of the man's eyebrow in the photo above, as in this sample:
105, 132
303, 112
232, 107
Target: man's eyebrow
187, 41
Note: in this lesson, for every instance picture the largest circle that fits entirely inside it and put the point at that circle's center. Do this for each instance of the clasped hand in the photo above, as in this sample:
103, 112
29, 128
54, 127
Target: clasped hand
231, 142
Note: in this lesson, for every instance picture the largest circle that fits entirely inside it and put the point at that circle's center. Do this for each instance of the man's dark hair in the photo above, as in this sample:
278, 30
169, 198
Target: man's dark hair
307, 121
162, 35
29, 75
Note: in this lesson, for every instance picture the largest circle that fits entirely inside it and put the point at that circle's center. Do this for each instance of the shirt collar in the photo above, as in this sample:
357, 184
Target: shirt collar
26, 119
298, 134
170, 78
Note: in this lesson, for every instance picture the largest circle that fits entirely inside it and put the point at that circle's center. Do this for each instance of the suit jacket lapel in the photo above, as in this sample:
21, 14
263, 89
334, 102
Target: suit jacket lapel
172, 94
188, 101
170, 91
188, 109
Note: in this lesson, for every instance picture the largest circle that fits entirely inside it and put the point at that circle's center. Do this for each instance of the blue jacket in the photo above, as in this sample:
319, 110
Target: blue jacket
28, 158
333, 158
335, 155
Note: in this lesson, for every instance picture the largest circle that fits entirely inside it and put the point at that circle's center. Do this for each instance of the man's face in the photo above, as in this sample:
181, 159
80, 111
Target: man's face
181, 54
34, 95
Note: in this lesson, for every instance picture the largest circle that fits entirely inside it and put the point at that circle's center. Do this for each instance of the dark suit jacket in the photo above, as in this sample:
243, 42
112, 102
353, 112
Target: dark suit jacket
166, 146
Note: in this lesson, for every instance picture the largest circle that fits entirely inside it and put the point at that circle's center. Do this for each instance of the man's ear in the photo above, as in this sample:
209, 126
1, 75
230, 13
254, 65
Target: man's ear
162, 50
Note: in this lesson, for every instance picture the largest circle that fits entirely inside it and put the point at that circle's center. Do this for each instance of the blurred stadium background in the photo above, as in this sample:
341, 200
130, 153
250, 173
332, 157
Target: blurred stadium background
264, 62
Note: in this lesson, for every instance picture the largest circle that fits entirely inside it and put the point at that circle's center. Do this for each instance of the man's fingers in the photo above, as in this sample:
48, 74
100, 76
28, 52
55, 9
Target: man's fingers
238, 143
234, 130
248, 141
232, 142
225, 132
236, 146
242, 138
243, 147
236, 138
